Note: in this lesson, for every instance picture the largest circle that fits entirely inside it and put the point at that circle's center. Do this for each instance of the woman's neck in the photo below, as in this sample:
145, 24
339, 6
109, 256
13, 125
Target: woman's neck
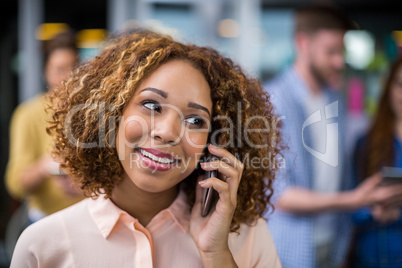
140, 204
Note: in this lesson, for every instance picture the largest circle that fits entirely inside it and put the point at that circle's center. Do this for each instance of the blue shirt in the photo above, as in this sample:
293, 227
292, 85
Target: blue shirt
294, 233
377, 245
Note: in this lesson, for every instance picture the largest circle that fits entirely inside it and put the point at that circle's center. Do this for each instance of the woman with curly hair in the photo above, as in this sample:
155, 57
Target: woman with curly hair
131, 127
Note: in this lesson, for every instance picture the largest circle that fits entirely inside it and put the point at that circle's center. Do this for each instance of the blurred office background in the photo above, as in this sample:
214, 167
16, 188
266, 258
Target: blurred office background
255, 33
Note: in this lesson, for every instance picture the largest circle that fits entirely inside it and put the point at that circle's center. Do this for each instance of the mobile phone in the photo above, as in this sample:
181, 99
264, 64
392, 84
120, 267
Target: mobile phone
391, 175
209, 195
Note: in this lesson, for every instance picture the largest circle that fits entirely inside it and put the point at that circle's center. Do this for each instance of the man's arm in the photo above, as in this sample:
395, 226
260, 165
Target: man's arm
300, 200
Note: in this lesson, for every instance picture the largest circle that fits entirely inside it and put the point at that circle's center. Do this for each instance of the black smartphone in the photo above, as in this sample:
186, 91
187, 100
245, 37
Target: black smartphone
209, 195
391, 175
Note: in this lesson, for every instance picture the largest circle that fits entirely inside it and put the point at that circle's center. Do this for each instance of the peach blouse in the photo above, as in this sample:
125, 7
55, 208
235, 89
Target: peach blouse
96, 233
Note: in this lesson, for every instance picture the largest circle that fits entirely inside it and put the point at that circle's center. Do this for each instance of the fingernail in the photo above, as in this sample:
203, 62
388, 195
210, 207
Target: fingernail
212, 147
201, 182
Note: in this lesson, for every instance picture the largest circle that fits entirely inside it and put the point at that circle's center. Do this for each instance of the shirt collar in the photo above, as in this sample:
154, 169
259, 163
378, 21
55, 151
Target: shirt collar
106, 214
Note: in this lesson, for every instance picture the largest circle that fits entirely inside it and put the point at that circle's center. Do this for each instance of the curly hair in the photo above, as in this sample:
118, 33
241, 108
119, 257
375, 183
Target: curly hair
110, 80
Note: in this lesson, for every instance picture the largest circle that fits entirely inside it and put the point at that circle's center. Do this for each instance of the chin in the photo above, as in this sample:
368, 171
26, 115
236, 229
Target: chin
153, 182
151, 187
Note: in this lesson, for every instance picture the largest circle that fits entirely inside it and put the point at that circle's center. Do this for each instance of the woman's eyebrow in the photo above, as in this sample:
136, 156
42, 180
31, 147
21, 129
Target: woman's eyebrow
200, 107
164, 94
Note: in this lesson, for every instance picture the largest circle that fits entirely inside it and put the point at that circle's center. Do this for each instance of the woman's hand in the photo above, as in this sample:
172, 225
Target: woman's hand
211, 233
385, 215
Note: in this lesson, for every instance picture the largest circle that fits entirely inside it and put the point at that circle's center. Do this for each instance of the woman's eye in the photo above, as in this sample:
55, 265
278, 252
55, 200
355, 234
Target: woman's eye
197, 122
152, 105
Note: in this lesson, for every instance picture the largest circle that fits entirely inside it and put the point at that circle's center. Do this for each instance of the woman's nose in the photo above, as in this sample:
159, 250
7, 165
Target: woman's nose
167, 129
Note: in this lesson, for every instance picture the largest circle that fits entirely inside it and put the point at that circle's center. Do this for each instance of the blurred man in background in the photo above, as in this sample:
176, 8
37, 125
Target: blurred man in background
32, 175
308, 225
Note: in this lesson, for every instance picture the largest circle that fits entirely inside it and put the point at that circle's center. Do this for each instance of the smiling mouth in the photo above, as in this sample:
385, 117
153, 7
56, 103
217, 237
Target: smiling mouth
158, 159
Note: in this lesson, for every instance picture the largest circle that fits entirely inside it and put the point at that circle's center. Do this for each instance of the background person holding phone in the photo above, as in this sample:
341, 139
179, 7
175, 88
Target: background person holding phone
378, 236
139, 160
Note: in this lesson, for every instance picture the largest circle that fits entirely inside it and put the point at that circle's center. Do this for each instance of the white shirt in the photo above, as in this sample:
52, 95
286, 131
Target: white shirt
326, 177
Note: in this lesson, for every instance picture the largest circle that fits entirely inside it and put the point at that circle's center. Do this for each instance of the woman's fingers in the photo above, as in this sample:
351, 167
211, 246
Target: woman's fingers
231, 175
385, 214
198, 191
222, 188
230, 169
226, 157
222, 168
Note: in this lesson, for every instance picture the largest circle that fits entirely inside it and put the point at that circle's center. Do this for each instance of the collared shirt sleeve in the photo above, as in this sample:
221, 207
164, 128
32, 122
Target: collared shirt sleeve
34, 248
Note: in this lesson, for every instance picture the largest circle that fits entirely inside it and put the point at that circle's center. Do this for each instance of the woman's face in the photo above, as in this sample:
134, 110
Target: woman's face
396, 94
59, 65
165, 126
